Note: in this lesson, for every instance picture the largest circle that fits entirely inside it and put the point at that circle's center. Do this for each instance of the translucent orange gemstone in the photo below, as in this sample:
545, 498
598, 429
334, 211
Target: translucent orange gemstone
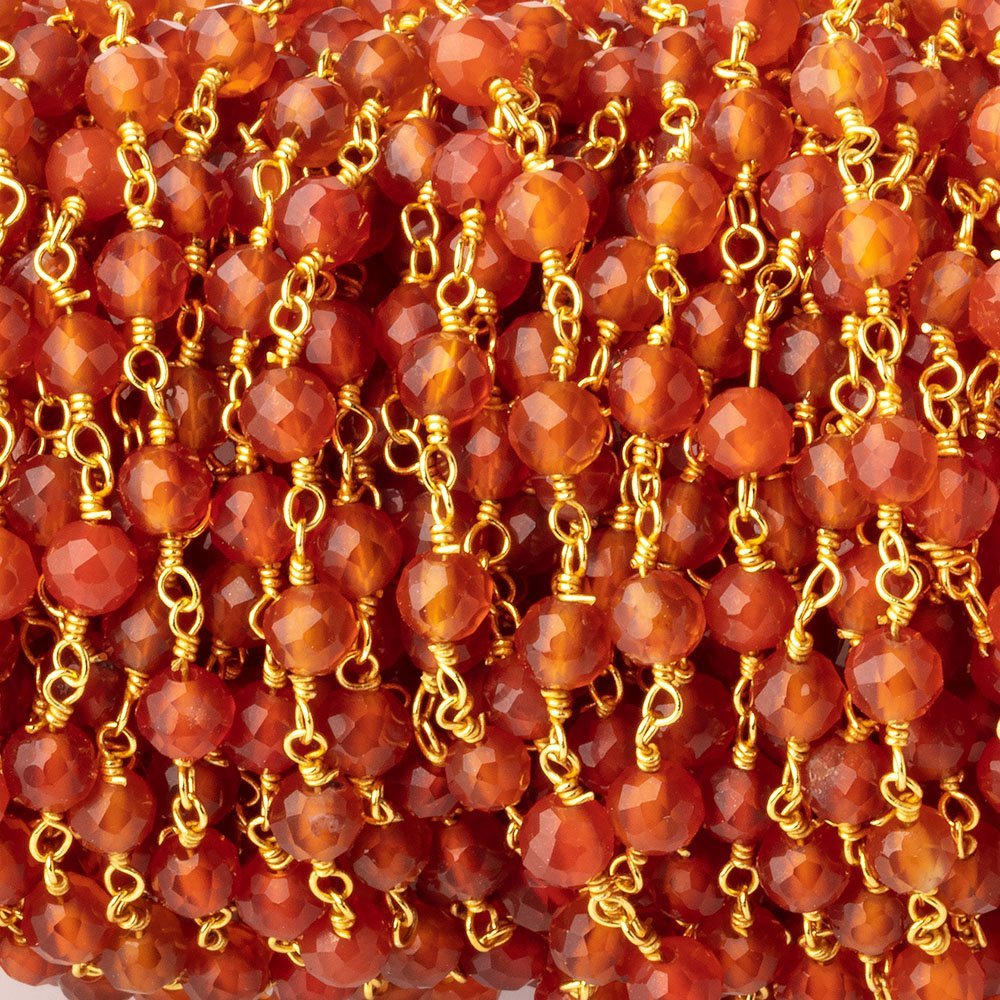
658, 812
747, 124
871, 241
746, 611
657, 618
914, 857
798, 699
799, 196
233, 39
444, 375
745, 430
315, 823
542, 210
802, 875
467, 53
164, 489
566, 845
69, 929
141, 273
676, 204
565, 643
132, 83
444, 597
892, 460
955, 975
491, 774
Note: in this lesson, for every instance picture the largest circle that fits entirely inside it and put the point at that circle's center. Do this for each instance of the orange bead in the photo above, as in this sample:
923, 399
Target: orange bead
678, 205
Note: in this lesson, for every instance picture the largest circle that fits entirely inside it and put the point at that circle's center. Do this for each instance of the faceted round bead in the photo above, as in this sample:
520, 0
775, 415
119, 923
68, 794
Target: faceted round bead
688, 970
246, 522
983, 124
515, 699
348, 961
747, 124
871, 241
694, 521
491, 774
611, 276
185, 714
116, 816
894, 679
912, 857
18, 335
678, 205
16, 117
137, 636
749, 610
429, 950
557, 429
371, 730
955, 975
50, 770
18, 574
837, 74
565, 845
941, 289
823, 487
892, 460
315, 113
261, 720
339, 347
164, 489
141, 273
802, 875
132, 83
471, 167
516, 963
658, 812
973, 886
808, 979
322, 215
287, 413
292, 982
240, 288
471, 858
842, 780
745, 430
90, 568
960, 504
239, 971
798, 699
444, 597
315, 823
69, 929
310, 629
197, 882
805, 357
487, 465
25, 965
657, 618
748, 962
386, 67
776, 24
142, 964
275, 903
444, 375
357, 548
867, 922
385, 857
193, 196
408, 150
542, 210
53, 64
81, 353
194, 400
467, 54
655, 391
799, 196
984, 297
235, 40
678, 53
582, 948
565, 643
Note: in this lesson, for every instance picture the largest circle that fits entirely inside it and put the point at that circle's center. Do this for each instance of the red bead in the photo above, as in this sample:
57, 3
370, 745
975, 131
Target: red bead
91, 568
565, 845
141, 273
165, 489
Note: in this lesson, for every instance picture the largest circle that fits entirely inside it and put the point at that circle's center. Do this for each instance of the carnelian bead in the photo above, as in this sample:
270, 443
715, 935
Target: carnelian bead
292, 982
470, 859
836, 74
747, 610
116, 816
983, 128
466, 54
609, 564
655, 390
444, 375
736, 801
867, 922
244, 519
487, 465
193, 197
143, 963
488, 775
235, 40
687, 970
806, 978
185, 714
541, 210
69, 929
657, 618
799, 196
287, 413
871, 242
90, 567
315, 823
310, 629
164, 489
18, 574
749, 960
18, 335
137, 636
194, 401
339, 346
557, 429
676, 204
694, 521
675, 52
444, 597
959, 505
262, 718
132, 83
892, 460
16, 117
357, 548
747, 124
141, 273
565, 643
53, 64
611, 276
984, 294
322, 215
515, 699
386, 857
408, 149
582, 948
386, 67
275, 903
25, 965
776, 25
352, 960
798, 698
241, 287
428, 951
81, 352
912, 857
658, 812
802, 875
804, 358
955, 975
371, 730
745, 430
314, 113
240, 971
198, 881
50, 770
472, 167
823, 488
565, 845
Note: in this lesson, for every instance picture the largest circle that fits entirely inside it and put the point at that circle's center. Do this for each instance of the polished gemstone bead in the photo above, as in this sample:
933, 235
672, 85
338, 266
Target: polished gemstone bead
694, 519
471, 167
566, 845
429, 950
799, 196
385, 857
566, 644
310, 629
384, 66
982, 128
144, 963
657, 618
542, 210
245, 522
611, 275
18, 336
193, 196
688, 970
272, 903
81, 352
408, 149
348, 961
658, 812
512, 965
892, 460
53, 64
238, 971
235, 40
804, 358
69, 929
686, 884
16, 116
50, 770
805, 978
24, 965
748, 610
468, 53
941, 289
973, 887
444, 375
557, 429
444, 597
339, 346
132, 83
822, 485
194, 401
894, 678
371, 730
116, 816
776, 26
185, 714
748, 961
983, 296
241, 286
287, 413
955, 975
165, 489
261, 721
322, 215
515, 699
470, 859
867, 922
18, 574
582, 948
141, 273
315, 823
798, 699
912, 857
292, 982
871, 241
357, 548
491, 774
314, 112
802, 875
487, 465
842, 780
676, 204
90, 567
678, 53
747, 124
229, 593
959, 505
745, 430
736, 801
